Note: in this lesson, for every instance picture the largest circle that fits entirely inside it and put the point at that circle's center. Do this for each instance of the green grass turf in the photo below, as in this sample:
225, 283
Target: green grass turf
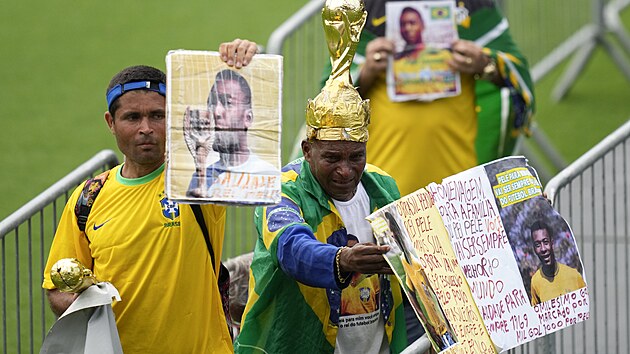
58, 57
598, 101
597, 104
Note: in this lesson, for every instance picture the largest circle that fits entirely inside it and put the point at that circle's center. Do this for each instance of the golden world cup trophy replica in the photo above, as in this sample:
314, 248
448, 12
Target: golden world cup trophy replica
198, 135
70, 276
338, 112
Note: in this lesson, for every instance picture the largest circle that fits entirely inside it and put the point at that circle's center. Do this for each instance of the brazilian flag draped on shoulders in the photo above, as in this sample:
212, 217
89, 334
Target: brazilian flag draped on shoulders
285, 316
504, 113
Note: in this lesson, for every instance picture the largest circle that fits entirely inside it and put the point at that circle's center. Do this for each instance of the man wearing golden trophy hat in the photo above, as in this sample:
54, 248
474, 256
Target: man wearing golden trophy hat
307, 258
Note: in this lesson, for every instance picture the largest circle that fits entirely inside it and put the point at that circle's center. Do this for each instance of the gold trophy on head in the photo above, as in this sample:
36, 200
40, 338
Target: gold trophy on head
70, 276
338, 112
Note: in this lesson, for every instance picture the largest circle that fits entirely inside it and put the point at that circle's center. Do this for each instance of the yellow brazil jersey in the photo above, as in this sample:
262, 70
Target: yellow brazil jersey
422, 142
153, 251
566, 280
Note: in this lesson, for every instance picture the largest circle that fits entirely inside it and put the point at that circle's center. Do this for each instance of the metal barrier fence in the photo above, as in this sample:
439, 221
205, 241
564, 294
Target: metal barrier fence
592, 194
25, 238
301, 41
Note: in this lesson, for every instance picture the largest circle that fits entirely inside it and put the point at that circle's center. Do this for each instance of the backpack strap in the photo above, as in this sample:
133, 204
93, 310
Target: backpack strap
91, 188
223, 278
204, 229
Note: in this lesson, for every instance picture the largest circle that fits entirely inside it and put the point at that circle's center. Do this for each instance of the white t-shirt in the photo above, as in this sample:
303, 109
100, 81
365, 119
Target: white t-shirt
361, 326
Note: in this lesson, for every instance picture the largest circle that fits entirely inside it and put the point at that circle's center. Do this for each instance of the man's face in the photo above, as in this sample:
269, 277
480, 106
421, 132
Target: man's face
411, 27
543, 247
232, 115
337, 165
139, 127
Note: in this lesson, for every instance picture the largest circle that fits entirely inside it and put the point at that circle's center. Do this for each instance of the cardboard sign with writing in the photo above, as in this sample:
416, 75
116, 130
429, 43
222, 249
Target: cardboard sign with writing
500, 260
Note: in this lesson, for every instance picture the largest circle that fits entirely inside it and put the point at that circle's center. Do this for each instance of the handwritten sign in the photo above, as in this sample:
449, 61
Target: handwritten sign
483, 252
434, 254
487, 241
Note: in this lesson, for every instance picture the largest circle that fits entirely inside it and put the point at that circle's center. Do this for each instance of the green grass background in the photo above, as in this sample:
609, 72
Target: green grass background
58, 57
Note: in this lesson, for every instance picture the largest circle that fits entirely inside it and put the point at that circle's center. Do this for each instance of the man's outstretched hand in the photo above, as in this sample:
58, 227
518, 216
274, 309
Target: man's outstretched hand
365, 258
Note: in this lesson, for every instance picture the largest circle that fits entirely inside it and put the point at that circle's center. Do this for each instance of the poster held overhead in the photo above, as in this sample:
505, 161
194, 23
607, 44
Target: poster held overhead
223, 124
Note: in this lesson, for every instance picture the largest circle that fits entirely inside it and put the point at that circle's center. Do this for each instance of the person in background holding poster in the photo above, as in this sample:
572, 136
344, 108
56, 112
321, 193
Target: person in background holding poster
461, 131
230, 108
553, 278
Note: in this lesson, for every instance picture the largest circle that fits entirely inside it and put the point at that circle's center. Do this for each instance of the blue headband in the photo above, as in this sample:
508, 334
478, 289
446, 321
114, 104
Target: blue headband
119, 89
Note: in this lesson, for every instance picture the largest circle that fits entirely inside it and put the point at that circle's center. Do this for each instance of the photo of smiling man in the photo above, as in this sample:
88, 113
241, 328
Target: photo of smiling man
553, 278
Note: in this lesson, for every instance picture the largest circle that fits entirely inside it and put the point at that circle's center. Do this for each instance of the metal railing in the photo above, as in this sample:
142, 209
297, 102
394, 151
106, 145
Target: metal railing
592, 194
300, 40
25, 238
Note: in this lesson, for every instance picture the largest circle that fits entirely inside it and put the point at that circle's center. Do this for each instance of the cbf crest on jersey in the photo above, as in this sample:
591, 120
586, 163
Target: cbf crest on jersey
365, 294
170, 209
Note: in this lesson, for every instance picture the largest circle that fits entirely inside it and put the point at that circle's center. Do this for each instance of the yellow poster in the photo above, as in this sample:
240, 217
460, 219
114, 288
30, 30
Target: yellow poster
423, 259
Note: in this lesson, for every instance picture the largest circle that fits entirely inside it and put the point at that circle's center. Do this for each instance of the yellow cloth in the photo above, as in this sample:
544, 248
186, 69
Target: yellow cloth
413, 71
422, 142
360, 297
545, 288
154, 253
420, 286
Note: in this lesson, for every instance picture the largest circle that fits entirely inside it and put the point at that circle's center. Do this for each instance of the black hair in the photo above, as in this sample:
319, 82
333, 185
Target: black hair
540, 225
231, 75
133, 74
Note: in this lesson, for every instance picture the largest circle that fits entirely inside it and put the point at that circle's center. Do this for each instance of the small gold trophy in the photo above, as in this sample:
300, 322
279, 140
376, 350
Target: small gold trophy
199, 136
70, 276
